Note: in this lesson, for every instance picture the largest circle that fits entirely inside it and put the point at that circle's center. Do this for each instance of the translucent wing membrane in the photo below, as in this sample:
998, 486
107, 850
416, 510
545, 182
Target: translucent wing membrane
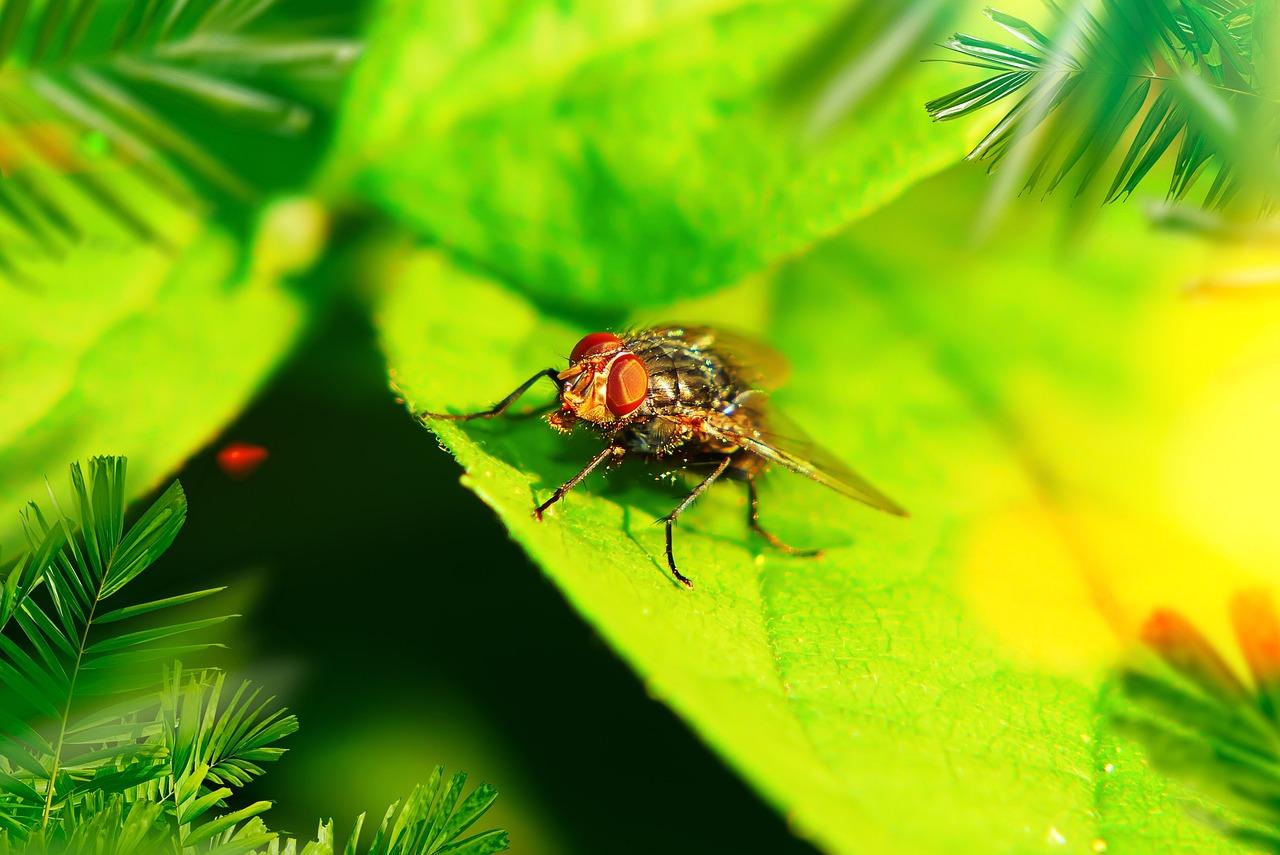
781, 441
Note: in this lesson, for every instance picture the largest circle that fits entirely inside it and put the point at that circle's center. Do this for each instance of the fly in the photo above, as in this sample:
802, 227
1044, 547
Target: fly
693, 397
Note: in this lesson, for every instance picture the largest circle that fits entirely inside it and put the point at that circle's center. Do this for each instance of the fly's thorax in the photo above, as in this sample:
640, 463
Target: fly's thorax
684, 377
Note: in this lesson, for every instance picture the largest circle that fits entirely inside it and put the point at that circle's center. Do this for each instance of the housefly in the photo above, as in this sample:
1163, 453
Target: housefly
694, 398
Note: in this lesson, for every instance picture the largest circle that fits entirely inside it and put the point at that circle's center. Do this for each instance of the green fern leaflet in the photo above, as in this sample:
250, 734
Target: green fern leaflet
1139, 80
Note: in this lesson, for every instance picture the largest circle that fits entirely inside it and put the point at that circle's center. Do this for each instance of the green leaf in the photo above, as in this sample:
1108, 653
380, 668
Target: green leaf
484, 843
425, 822
146, 636
123, 347
604, 159
156, 605
223, 823
28, 572
930, 685
148, 538
480, 800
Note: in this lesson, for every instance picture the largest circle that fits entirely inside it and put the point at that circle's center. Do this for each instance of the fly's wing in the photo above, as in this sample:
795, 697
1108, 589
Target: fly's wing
758, 364
779, 440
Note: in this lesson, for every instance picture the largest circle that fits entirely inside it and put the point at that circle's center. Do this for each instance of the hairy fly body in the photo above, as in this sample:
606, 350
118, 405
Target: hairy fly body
693, 398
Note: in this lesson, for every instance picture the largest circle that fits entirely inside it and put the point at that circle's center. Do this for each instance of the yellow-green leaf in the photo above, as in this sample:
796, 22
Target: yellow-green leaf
938, 684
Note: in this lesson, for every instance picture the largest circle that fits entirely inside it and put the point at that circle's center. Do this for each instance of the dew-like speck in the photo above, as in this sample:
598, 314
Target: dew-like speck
1055, 837
1109, 768
1099, 845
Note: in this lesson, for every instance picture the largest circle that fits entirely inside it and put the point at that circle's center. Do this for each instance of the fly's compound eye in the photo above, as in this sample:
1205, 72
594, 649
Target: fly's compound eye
628, 385
592, 344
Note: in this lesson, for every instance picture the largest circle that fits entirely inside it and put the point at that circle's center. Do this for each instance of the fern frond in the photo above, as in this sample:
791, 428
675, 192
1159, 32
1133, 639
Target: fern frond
227, 740
101, 825
84, 769
75, 698
430, 821
90, 92
1142, 82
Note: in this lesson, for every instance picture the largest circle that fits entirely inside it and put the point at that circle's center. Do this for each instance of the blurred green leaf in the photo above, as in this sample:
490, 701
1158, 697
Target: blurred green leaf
618, 154
857, 57
166, 90
128, 348
908, 692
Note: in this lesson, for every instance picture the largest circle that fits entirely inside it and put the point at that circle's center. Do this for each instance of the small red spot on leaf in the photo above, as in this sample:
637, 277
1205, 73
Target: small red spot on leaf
241, 459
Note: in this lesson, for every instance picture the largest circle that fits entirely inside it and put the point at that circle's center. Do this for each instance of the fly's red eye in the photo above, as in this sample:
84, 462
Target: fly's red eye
594, 343
628, 385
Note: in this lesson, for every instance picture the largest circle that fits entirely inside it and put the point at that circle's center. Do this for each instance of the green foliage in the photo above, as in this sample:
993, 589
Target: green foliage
77, 667
598, 156
93, 90
1142, 78
97, 756
863, 694
98, 824
429, 821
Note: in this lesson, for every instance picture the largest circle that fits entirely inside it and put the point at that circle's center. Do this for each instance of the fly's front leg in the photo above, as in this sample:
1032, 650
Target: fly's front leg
753, 519
670, 519
500, 407
612, 451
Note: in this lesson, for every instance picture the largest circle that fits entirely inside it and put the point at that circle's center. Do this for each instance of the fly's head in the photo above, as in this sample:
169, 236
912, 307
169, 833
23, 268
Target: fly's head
604, 383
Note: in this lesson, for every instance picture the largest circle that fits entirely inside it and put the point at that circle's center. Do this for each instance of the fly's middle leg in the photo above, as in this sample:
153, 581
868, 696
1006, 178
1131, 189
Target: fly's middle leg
753, 519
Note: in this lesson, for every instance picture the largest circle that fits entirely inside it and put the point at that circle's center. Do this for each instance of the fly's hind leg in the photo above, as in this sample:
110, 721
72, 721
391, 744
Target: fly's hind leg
670, 519
753, 519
